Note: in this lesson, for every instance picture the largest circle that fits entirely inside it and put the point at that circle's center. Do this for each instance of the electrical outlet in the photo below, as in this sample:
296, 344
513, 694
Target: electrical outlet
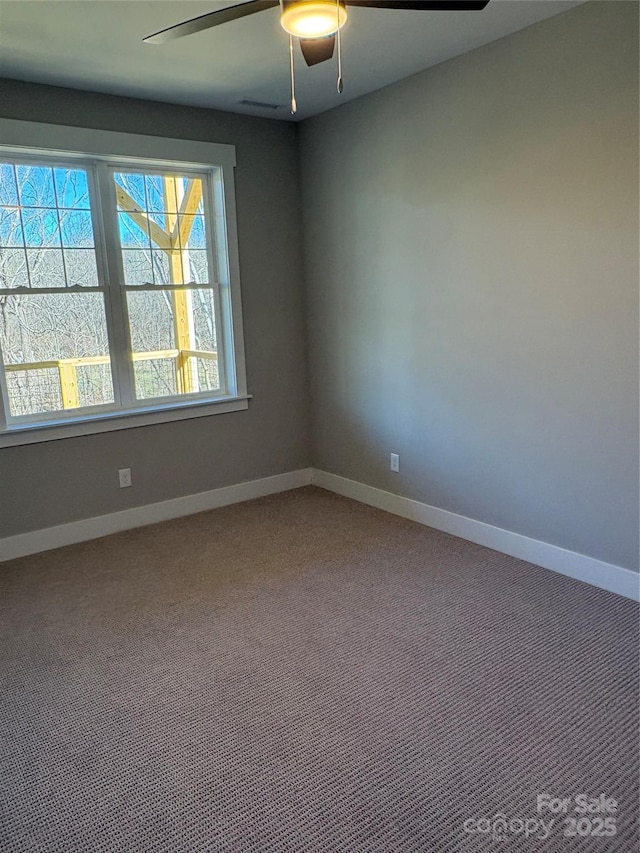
124, 475
395, 463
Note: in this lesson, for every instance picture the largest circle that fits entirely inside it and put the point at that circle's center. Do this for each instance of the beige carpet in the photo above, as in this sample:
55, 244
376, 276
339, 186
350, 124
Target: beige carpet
304, 673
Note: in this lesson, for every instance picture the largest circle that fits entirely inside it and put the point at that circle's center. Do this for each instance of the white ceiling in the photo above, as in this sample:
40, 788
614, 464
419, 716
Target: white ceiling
97, 45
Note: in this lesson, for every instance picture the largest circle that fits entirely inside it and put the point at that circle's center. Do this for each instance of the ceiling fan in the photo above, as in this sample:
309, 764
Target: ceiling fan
315, 23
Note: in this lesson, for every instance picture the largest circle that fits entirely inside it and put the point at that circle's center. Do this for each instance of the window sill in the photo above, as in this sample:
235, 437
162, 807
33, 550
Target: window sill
112, 421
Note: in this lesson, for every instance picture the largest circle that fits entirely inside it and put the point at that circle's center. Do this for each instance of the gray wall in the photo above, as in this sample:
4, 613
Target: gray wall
60, 481
471, 242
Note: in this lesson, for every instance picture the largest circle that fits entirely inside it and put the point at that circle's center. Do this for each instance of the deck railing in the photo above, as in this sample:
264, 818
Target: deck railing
185, 366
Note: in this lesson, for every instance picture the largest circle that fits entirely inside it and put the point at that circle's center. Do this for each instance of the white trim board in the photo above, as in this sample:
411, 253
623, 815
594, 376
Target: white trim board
595, 572
579, 566
24, 544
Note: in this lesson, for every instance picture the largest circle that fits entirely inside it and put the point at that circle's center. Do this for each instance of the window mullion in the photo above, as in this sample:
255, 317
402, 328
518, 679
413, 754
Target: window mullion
114, 292
4, 397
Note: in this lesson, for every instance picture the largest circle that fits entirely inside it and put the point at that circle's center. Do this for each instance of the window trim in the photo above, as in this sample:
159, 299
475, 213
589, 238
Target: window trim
35, 139
117, 420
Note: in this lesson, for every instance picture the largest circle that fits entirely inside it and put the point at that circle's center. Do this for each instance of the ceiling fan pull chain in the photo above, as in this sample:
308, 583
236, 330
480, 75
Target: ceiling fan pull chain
339, 45
294, 106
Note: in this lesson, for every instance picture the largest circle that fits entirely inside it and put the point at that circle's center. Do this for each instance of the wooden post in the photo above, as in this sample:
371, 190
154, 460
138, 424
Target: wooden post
172, 240
179, 230
68, 385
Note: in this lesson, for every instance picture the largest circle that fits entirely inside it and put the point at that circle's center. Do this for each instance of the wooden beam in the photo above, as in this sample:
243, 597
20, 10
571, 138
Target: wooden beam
158, 235
188, 207
182, 314
32, 365
100, 359
200, 353
160, 353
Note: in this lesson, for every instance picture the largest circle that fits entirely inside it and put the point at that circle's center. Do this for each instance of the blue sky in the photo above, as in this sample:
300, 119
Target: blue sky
45, 189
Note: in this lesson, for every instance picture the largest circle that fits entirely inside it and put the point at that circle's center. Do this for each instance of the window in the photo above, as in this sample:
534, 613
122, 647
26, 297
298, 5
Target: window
116, 291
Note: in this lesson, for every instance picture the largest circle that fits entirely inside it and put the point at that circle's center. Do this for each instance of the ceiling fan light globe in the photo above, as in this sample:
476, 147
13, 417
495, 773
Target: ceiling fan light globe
312, 19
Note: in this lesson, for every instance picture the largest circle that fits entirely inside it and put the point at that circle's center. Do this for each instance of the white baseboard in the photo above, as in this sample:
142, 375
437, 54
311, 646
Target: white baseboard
579, 566
92, 528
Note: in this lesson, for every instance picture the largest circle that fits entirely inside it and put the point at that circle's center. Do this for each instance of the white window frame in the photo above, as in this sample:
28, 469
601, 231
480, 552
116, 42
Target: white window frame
24, 141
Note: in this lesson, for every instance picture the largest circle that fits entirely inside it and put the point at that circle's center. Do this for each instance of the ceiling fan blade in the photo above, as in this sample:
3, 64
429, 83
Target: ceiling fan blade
317, 50
421, 5
212, 19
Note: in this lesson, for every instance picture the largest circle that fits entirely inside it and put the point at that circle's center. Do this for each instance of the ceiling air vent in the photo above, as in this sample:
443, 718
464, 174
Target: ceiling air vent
259, 105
